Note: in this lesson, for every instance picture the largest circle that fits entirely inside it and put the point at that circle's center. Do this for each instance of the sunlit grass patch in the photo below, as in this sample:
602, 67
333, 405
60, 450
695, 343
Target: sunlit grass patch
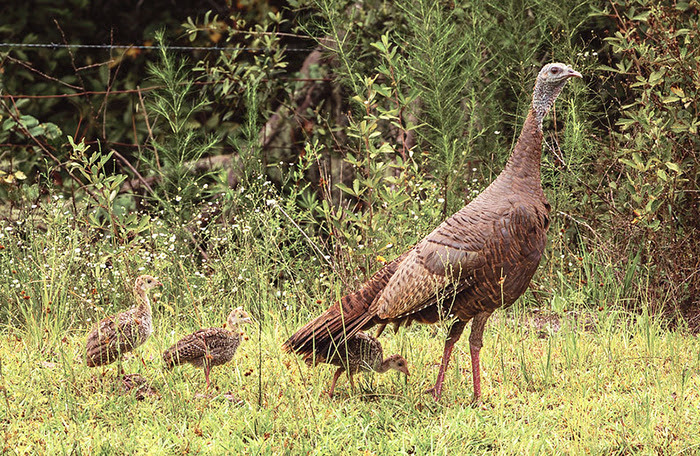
573, 391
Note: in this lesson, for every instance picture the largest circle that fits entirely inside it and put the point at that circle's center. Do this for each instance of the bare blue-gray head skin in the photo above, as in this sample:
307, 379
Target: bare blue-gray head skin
550, 82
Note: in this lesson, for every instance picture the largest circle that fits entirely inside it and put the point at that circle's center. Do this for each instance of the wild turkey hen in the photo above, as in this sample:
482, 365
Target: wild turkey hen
363, 353
210, 346
121, 333
479, 259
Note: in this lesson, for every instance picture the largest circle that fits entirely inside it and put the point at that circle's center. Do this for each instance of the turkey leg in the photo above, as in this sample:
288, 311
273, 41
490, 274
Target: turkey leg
475, 343
452, 338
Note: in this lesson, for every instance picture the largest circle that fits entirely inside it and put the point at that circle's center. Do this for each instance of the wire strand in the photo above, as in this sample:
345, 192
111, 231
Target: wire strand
146, 47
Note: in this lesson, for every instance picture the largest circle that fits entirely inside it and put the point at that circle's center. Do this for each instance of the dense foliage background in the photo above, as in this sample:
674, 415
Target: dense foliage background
273, 155
326, 136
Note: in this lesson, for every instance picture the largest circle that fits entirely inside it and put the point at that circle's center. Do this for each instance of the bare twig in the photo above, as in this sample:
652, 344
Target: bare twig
75, 68
110, 82
43, 75
580, 222
148, 125
133, 170
143, 89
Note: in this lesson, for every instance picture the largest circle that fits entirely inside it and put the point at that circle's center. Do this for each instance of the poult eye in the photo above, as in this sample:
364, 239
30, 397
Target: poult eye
555, 70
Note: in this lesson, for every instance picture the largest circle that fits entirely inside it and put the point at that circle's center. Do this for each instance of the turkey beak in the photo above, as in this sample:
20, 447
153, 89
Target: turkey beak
574, 74
405, 371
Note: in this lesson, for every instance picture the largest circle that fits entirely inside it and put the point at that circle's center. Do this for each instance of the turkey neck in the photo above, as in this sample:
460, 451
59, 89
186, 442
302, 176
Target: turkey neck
524, 162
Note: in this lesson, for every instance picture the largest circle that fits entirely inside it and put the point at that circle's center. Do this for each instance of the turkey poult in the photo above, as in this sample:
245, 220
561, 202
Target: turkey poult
363, 353
121, 333
479, 259
210, 346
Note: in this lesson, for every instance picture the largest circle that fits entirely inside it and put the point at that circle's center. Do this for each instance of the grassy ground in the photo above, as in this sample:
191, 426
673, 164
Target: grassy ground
606, 383
554, 382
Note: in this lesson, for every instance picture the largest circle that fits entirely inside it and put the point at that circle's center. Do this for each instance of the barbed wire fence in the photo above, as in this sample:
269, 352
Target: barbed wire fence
9, 101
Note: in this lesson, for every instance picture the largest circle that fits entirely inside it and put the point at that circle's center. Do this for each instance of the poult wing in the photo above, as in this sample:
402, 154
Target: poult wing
189, 348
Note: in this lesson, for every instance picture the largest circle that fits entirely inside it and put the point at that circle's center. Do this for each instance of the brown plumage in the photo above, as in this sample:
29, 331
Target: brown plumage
363, 353
208, 347
122, 332
479, 259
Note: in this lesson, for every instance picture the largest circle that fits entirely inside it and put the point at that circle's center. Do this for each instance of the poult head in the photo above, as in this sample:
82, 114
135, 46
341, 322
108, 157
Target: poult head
397, 362
236, 317
146, 282
550, 82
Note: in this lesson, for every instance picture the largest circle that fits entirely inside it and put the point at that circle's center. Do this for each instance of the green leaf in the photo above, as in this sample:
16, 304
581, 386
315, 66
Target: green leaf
344, 188
28, 121
642, 17
673, 167
656, 76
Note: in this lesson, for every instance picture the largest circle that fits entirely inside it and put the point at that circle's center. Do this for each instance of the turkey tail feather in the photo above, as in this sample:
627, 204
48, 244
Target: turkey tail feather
317, 339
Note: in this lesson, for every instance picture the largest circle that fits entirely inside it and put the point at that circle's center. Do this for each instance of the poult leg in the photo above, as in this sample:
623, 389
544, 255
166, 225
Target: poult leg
335, 379
207, 367
352, 383
475, 344
452, 338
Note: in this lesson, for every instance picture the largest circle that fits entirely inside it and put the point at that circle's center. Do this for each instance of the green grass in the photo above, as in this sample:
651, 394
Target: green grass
580, 376
622, 386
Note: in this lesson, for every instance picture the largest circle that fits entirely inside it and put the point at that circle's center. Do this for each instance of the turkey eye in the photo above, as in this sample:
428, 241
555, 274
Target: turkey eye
555, 70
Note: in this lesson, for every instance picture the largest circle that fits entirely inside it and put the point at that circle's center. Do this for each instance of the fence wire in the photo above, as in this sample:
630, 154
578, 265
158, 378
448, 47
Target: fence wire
149, 47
